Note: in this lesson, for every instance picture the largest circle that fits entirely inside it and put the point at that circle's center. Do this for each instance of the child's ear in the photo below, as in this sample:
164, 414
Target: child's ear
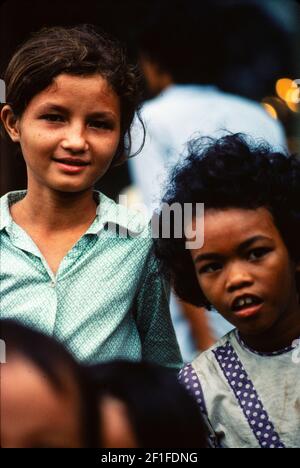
11, 123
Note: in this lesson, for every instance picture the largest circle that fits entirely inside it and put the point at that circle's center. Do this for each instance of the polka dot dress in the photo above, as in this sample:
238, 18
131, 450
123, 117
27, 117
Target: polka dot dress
244, 391
247, 397
188, 377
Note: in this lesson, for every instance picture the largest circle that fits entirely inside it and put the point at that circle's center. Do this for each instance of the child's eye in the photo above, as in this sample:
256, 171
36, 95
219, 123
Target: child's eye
52, 117
101, 124
210, 268
258, 253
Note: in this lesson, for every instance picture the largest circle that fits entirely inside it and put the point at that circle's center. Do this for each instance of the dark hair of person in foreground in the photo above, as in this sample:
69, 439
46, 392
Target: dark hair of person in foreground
160, 411
39, 367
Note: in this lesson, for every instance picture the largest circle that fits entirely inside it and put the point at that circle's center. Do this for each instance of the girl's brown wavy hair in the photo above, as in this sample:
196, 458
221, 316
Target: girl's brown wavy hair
83, 51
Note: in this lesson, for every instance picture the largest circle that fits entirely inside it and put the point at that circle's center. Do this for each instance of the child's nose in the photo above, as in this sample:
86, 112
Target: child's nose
74, 140
238, 278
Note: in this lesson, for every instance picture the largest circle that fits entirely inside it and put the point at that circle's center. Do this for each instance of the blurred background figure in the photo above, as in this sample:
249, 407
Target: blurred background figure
143, 405
46, 401
189, 57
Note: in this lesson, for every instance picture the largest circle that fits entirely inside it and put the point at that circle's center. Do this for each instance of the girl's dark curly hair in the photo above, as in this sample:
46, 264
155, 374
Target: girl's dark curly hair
55, 363
232, 172
80, 50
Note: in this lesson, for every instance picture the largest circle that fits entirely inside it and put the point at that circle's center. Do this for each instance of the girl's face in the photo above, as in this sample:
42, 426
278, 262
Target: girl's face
34, 414
245, 271
69, 133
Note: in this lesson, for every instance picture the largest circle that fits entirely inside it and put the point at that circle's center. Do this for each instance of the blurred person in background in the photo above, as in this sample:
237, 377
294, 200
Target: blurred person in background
143, 405
46, 401
184, 54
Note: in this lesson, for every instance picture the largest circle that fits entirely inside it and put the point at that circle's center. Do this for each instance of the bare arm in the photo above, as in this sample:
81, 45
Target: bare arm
199, 324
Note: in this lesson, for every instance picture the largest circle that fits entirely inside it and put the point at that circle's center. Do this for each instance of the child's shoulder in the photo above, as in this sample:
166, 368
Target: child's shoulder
221, 343
209, 359
133, 223
5, 203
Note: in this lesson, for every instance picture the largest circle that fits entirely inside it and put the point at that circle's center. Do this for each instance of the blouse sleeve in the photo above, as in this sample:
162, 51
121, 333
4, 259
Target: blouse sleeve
189, 379
159, 343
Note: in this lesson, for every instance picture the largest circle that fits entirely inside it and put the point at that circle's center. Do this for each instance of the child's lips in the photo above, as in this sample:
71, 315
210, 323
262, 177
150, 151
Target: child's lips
248, 312
71, 165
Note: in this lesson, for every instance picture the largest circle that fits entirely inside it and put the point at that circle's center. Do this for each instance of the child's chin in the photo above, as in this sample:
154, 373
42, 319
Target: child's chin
255, 329
71, 188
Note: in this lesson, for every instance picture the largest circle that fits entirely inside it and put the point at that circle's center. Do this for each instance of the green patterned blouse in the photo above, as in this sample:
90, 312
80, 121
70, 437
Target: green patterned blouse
107, 300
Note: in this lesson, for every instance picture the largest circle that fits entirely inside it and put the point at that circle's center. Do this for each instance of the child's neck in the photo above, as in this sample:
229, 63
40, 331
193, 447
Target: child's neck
280, 336
55, 211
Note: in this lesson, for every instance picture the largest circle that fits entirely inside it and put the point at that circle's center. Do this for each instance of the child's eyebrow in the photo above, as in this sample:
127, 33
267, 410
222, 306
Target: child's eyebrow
208, 256
47, 107
247, 243
101, 115
243, 246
